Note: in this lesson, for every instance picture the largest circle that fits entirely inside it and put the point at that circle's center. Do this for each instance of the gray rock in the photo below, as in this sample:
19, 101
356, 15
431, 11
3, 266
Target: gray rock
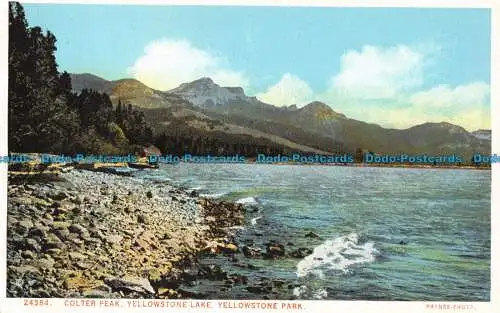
130, 284
24, 226
250, 251
62, 233
29, 187
83, 265
104, 288
32, 245
96, 233
47, 219
95, 293
28, 254
77, 256
21, 200
78, 229
86, 236
24, 269
77, 241
45, 263
301, 252
67, 169
54, 252
53, 242
312, 235
40, 293
39, 231
58, 195
141, 219
114, 239
16, 239
274, 250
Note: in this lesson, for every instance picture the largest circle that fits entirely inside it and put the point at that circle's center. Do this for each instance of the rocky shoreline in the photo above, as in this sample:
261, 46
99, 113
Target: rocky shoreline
80, 233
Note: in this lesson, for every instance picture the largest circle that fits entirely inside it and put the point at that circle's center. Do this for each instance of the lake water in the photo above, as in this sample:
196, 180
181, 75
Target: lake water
386, 233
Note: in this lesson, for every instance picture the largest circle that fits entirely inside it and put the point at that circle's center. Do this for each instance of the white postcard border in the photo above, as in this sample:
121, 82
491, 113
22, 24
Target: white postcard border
58, 305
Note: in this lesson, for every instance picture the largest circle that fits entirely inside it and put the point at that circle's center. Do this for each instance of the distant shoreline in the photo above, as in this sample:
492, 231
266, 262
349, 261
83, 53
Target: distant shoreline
32, 162
422, 166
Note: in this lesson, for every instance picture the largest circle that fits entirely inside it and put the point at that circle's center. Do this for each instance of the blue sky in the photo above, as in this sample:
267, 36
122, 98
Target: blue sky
416, 64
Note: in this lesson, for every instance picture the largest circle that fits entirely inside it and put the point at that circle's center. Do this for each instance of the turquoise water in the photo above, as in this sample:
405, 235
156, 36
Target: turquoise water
386, 233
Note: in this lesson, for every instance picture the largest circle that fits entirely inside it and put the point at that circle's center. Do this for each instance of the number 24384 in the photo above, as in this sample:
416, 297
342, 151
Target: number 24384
36, 302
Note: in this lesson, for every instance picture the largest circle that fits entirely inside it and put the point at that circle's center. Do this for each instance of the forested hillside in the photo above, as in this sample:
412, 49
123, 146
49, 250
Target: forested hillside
46, 116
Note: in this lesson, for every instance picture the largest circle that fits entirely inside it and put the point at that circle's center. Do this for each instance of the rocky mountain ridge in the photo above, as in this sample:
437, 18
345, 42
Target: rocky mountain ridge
315, 125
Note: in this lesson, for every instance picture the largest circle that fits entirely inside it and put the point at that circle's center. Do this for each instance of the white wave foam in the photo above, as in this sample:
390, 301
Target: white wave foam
248, 200
253, 221
237, 227
299, 291
319, 294
304, 292
337, 254
212, 195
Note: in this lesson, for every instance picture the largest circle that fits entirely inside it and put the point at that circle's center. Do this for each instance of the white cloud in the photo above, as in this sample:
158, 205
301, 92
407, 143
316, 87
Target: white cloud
464, 105
472, 119
444, 96
289, 90
229, 78
167, 63
383, 86
378, 73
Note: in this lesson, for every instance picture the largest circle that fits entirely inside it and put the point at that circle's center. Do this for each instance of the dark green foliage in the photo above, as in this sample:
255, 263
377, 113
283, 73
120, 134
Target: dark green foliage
39, 119
95, 109
45, 116
134, 124
109, 130
217, 144
179, 138
287, 131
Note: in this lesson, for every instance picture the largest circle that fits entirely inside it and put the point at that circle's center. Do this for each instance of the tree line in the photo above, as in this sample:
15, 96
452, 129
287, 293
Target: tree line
177, 137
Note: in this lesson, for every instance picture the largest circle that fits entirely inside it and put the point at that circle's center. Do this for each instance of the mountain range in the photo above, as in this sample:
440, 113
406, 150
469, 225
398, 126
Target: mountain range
203, 107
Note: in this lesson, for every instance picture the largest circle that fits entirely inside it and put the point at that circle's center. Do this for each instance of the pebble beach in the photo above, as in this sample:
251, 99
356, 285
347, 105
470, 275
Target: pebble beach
80, 233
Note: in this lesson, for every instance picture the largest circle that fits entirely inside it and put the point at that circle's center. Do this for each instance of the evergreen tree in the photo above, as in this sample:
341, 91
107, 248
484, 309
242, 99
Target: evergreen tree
44, 114
39, 118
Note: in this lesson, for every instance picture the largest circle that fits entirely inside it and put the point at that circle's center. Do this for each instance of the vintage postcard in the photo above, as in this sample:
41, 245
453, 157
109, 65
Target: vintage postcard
249, 156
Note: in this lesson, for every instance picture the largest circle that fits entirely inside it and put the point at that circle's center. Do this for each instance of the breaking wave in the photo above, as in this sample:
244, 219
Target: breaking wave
213, 195
248, 200
253, 221
336, 255
308, 293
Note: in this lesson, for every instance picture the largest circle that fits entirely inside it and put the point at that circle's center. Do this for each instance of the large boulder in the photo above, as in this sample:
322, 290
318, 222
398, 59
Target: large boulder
130, 284
312, 234
301, 253
274, 250
252, 252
